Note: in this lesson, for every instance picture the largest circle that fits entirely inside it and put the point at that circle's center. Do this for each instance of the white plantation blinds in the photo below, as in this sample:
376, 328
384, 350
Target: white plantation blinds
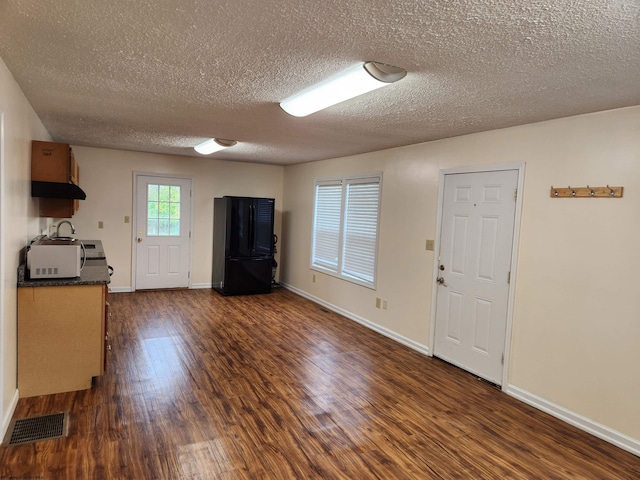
326, 228
361, 230
345, 229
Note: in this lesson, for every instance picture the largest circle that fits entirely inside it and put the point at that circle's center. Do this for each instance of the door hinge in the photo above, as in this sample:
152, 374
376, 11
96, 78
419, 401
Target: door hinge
509, 277
515, 194
503, 359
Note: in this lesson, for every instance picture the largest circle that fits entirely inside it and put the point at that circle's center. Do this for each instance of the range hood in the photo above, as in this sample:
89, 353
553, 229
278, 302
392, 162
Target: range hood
57, 190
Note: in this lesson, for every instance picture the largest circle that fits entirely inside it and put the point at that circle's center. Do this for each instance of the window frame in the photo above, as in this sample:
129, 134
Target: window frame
338, 271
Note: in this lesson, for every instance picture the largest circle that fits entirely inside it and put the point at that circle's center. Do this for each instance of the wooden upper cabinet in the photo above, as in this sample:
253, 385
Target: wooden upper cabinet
55, 162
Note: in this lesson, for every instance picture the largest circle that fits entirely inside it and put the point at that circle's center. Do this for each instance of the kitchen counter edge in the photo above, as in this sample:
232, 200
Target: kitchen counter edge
89, 276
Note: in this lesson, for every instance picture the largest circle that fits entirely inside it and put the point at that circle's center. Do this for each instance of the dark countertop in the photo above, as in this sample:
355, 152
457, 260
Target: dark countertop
93, 248
95, 271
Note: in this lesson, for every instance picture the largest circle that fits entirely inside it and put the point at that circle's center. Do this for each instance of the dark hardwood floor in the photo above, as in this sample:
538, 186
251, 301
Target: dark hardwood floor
201, 386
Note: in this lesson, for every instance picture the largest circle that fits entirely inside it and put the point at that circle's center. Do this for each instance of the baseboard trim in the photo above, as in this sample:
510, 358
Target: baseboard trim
583, 423
194, 286
120, 289
9, 415
424, 349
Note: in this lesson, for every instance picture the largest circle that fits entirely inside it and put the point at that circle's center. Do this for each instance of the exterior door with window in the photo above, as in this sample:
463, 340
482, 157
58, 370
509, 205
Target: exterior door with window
163, 231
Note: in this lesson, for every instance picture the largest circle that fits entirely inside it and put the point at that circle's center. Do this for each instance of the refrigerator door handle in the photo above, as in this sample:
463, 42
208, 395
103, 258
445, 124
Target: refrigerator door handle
252, 229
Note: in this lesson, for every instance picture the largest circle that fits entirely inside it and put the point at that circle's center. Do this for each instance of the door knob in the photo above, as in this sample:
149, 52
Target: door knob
440, 280
139, 240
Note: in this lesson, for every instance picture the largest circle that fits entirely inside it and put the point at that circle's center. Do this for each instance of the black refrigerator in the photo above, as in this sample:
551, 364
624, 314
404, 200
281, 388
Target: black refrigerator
242, 245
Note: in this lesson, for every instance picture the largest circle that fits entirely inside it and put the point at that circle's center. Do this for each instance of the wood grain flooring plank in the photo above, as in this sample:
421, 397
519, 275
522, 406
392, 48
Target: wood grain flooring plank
203, 386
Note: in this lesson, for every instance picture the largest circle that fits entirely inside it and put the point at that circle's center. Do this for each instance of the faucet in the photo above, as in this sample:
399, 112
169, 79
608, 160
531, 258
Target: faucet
73, 229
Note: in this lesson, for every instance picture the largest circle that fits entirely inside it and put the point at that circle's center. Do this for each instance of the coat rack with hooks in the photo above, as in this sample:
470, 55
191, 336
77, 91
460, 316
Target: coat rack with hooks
586, 192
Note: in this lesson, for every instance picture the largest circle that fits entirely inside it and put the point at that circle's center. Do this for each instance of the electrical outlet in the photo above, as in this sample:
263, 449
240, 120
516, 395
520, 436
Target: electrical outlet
378, 301
384, 303
126, 219
100, 224
430, 245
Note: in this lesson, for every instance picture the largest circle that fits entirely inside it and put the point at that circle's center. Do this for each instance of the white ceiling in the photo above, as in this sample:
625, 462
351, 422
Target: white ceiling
164, 75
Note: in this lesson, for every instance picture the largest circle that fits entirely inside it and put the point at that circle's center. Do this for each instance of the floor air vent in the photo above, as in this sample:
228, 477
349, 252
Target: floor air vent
35, 429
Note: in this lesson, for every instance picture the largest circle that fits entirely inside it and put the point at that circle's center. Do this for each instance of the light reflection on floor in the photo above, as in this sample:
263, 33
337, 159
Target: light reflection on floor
163, 364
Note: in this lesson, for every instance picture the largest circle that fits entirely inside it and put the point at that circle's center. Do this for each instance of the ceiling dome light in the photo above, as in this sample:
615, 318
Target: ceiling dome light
359, 79
213, 145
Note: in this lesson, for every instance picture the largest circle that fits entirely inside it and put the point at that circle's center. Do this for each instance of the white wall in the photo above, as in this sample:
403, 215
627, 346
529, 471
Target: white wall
106, 176
576, 333
19, 221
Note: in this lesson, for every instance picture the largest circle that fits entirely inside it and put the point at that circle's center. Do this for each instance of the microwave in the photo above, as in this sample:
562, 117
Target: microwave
51, 258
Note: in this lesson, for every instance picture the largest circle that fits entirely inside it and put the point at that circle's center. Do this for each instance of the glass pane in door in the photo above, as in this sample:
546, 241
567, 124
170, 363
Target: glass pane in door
163, 210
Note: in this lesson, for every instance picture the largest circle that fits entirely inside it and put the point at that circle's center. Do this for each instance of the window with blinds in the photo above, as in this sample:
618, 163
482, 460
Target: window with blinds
326, 226
345, 228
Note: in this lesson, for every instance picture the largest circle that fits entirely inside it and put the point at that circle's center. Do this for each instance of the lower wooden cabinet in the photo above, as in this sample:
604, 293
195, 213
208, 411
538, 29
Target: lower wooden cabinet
62, 338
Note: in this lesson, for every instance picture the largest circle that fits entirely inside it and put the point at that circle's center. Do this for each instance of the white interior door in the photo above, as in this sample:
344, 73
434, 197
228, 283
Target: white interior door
476, 242
163, 231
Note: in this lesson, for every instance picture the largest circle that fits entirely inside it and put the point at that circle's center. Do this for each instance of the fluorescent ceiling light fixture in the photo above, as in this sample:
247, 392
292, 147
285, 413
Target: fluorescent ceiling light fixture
359, 79
213, 145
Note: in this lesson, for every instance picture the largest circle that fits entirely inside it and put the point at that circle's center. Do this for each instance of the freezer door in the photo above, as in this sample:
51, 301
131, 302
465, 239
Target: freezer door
247, 275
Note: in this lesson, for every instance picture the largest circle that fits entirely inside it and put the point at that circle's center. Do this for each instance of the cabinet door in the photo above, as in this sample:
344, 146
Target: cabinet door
50, 162
60, 338
55, 162
107, 339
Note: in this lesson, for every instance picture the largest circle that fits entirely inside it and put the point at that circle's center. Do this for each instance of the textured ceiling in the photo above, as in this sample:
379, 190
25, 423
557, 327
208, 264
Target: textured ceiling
164, 75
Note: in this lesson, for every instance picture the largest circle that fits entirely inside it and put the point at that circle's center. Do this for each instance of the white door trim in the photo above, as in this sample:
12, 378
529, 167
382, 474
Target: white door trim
134, 223
520, 167
2, 267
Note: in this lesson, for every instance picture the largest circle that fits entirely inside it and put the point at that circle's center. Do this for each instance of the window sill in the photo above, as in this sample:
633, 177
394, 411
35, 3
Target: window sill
346, 278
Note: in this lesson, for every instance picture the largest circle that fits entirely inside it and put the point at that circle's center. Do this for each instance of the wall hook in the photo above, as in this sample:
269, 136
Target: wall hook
587, 192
